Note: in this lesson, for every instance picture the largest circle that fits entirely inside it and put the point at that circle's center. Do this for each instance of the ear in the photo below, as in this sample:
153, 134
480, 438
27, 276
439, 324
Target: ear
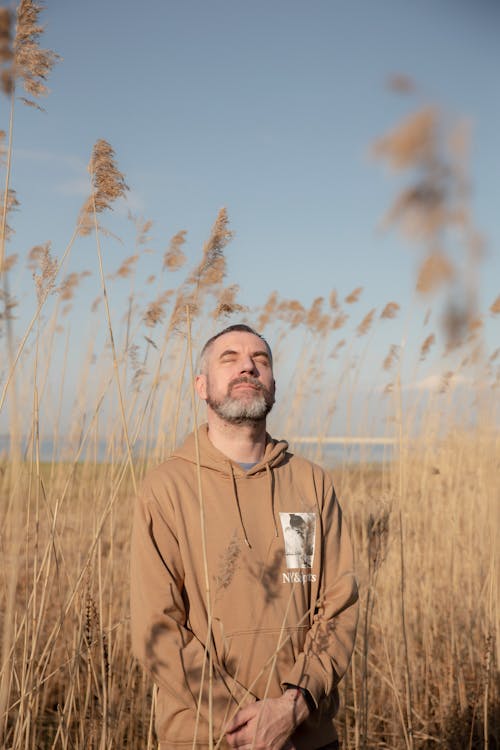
200, 384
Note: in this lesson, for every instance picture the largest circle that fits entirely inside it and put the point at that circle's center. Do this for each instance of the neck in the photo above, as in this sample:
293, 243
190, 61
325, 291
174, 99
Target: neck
243, 443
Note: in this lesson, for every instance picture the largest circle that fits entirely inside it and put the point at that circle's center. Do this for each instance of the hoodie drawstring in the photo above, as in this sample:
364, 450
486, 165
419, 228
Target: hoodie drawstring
235, 492
270, 478
270, 484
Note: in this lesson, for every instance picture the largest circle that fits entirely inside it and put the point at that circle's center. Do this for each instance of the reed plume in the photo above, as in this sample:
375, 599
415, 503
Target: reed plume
212, 267
5, 50
392, 356
435, 270
7, 306
354, 296
48, 267
142, 229
10, 204
227, 304
401, 84
445, 382
366, 323
495, 306
291, 311
126, 268
411, 141
155, 311
339, 321
494, 355
31, 63
426, 346
334, 300
107, 180
70, 283
268, 311
174, 257
390, 310
10, 261
338, 347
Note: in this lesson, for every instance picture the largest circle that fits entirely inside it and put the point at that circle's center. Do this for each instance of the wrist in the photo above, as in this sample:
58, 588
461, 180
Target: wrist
301, 701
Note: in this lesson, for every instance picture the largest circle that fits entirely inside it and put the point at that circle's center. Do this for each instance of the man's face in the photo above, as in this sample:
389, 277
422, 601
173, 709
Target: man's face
238, 383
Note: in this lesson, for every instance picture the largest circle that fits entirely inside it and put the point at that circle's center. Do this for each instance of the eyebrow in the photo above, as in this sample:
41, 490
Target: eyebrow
257, 353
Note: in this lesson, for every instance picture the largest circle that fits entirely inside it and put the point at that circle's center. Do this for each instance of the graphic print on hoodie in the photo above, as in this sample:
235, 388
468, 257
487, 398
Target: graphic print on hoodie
299, 533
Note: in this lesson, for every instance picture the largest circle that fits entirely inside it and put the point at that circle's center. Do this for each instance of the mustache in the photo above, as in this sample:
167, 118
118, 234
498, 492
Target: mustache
245, 379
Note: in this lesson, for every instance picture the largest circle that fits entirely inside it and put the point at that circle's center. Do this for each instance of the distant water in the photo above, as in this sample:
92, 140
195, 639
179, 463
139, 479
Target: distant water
329, 455
337, 454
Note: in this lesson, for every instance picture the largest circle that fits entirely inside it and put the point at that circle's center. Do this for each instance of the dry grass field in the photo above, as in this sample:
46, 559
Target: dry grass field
424, 521
425, 670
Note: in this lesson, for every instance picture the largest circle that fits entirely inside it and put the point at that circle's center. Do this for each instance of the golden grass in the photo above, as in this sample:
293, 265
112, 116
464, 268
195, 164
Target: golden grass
71, 680
424, 521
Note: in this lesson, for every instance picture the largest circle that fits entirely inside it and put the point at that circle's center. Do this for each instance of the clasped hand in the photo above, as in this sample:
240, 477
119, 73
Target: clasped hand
268, 724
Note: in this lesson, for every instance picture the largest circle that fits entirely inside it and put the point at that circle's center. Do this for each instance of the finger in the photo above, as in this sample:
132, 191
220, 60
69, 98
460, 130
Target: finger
239, 739
242, 717
236, 724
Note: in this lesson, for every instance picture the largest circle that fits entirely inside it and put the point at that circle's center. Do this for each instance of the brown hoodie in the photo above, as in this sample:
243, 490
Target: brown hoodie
282, 590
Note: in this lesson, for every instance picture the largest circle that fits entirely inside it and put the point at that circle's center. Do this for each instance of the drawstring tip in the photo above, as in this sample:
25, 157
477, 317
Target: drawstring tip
248, 543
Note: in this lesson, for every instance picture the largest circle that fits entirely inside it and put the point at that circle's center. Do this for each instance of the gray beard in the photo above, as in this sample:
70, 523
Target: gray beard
238, 411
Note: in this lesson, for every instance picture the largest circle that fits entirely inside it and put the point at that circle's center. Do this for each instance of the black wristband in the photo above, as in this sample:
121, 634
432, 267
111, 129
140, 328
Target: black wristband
306, 694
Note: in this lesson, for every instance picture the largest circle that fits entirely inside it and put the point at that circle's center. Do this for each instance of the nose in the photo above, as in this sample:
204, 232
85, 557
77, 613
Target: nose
248, 366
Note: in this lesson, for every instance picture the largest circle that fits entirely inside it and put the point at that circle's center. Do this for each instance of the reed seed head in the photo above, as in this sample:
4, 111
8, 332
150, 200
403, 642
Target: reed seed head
9, 262
337, 348
69, 285
45, 278
366, 323
339, 321
426, 346
95, 304
174, 257
108, 184
434, 272
227, 304
126, 268
268, 310
291, 311
5, 35
7, 306
445, 383
334, 300
228, 563
212, 268
495, 306
401, 84
392, 357
354, 295
12, 205
410, 142
390, 310
31, 63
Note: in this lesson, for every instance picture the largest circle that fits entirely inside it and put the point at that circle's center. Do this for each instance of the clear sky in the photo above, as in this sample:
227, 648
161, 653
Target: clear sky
269, 109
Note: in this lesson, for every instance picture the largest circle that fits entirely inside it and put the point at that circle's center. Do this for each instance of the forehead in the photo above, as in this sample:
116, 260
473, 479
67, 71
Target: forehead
238, 341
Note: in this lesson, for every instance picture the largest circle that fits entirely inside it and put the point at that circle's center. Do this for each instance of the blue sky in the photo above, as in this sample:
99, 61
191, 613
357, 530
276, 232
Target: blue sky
269, 109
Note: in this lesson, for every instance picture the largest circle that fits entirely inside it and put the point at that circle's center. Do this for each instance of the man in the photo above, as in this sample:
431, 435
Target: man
244, 602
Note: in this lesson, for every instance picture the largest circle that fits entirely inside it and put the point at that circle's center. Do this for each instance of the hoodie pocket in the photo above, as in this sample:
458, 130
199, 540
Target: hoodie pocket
260, 660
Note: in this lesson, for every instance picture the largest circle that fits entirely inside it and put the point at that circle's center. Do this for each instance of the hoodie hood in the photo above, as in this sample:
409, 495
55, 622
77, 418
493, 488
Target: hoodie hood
211, 458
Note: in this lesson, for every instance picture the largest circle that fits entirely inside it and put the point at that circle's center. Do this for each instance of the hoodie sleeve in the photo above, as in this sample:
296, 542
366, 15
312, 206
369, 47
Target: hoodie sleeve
330, 641
161, 640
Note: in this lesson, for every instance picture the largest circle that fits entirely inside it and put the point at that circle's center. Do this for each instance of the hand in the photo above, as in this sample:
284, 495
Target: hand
268, 724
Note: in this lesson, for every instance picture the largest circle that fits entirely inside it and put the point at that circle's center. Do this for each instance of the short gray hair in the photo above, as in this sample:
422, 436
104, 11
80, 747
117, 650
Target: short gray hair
236, 327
